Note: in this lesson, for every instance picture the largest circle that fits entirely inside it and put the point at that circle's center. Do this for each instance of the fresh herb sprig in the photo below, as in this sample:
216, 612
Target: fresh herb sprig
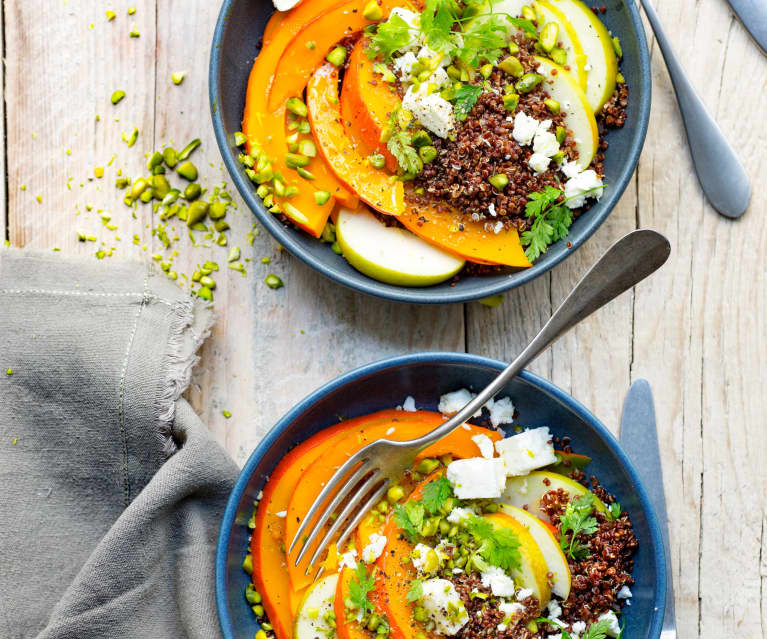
613, 511
435, 494
359, 587
497, 546
410, 519
416, 591
577, 518
552, 219
465, 99
597, 630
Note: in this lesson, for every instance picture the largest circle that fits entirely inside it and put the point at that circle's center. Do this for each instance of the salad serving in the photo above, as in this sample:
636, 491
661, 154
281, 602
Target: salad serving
486, 536
423, 140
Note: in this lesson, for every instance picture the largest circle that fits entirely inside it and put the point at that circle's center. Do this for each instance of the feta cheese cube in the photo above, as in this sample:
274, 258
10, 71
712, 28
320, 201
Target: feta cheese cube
373, 550
524, 593
614, 628
409, 404
579, 627
485, 445
525, 128
570, 168
432, 110
625, 593
539, 162
526, 451
439, 78
348, 559
501, 411
443, 606
498, 581
477, 478
451, 403
404, 65
583, 185
545, 143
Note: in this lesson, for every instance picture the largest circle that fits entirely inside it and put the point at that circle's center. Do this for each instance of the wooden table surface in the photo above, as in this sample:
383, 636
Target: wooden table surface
696, 330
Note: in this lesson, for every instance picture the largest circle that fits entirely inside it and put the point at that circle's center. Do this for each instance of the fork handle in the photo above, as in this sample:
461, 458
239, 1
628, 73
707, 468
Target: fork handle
627, 262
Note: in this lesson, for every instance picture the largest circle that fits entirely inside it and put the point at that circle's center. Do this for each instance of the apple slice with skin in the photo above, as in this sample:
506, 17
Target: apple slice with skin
533, 569
561, 86
317, 603
526, 491
390, 254
556, 562
597, 47
567, 40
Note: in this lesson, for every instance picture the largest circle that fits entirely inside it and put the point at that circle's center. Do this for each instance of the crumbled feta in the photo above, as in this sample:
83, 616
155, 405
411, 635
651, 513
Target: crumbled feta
432, 110
545, 142
373, 550
614, 628
404, 65
348, 559
451, 403
439, 78
457, 571
526, 451
459, 515
282, 514
390, 431
477, 478
422, 556
409, 404
625, 593
525, 128
498, 227
581, 186
578, 627
570, 169
539, 162
498, 581
491, 209
524, 593
501, 627
444, 550
443, 606
554, 609
501, 411
510, 610
485, 445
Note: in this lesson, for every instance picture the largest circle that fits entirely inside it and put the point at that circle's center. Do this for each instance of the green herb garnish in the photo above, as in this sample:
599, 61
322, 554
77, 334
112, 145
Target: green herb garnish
498, 546
435, 494
613, 511
415, 592
410, 518
407, 157
465, 99
392, 35
577, 519
359, 587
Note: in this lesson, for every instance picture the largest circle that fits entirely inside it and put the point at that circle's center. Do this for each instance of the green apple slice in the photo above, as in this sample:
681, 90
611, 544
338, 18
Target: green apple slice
556, 562
602, 64
311, 620
526, 491
579, 117
568, 40
390, 254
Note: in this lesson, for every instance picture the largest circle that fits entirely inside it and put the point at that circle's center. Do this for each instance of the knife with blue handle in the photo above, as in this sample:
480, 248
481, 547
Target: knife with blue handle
753, 16
639, 439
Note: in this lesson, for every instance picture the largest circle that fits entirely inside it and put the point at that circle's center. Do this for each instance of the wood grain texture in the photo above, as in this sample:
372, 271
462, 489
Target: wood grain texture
696, 338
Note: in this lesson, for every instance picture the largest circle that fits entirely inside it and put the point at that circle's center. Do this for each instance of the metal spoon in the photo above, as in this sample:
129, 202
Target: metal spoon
719, 170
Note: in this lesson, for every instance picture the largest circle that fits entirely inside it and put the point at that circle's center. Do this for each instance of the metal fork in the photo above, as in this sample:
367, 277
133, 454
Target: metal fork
373, 468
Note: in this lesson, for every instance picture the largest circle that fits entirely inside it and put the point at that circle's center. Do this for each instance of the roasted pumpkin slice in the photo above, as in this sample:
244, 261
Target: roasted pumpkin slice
375, 187
406, 426
368, 101
449, 229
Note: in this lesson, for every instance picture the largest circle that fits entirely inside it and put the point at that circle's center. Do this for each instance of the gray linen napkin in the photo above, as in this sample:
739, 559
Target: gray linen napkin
111, 489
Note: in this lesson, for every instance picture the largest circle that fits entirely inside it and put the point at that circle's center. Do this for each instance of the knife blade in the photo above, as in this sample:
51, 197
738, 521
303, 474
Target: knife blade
639, 439
753, 16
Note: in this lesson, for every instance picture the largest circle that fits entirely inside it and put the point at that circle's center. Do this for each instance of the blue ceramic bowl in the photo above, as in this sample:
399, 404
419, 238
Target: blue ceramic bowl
426, 376
235, 45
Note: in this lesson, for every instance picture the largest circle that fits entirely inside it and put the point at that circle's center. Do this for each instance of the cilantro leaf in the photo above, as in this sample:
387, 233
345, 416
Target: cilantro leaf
614, 511
484, 38
415, 592
597, 630
405, 154
498, 546
465, 99
552, 221
435, 494
410, 519
359, 587
392, 35
437, 20
577, 519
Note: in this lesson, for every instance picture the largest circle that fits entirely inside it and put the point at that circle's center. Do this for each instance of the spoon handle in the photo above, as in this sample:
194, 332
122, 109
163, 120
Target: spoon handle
626, 263
719, 170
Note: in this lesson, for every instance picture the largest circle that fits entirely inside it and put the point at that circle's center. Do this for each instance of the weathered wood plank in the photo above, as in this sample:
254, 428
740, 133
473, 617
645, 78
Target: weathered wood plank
696, 331
3, 148
60, 74
268, 348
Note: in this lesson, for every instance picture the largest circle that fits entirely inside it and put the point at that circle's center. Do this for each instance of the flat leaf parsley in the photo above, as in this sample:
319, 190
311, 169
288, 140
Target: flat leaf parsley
359, 587
552, 220
497, 546
577, 519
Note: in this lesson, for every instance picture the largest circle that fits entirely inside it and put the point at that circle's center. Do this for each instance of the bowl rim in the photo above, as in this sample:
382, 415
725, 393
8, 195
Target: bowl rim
428, 295
434, 358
